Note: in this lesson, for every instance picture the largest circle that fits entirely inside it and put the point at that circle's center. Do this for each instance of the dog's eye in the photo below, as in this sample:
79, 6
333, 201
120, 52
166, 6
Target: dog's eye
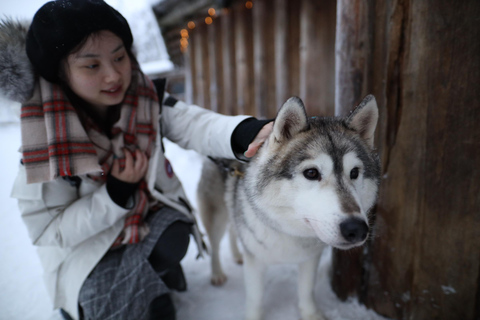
354, 173
312, 174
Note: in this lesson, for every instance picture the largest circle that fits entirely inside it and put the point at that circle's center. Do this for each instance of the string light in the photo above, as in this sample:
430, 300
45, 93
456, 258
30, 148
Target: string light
208, 20
184, 40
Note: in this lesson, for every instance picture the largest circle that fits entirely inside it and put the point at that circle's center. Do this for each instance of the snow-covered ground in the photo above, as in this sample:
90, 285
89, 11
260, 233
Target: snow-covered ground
23, 296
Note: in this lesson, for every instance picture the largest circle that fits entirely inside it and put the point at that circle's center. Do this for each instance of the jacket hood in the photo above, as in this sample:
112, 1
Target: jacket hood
17, 76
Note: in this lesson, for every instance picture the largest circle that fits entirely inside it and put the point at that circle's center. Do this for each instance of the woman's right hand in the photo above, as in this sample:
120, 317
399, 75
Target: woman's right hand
134, 170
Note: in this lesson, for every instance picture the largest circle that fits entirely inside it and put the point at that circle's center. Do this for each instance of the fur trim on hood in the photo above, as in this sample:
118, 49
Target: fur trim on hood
17, 77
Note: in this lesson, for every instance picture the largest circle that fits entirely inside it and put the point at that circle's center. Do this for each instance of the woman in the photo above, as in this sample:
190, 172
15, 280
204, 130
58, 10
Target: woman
96, 193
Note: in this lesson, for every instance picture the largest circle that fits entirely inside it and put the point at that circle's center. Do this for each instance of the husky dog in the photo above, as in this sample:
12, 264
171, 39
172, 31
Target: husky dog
311, 184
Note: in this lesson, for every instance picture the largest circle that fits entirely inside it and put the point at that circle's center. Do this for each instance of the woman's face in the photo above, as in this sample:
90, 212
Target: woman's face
100, 72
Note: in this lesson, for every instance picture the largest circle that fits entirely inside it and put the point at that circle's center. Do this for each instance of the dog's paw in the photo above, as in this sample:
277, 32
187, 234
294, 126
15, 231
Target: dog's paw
218, 279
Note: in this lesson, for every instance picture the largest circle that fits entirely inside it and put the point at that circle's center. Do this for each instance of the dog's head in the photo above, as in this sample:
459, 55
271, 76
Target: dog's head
319, 176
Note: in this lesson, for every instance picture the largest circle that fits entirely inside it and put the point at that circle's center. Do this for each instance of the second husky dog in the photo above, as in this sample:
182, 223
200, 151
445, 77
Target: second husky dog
311, 184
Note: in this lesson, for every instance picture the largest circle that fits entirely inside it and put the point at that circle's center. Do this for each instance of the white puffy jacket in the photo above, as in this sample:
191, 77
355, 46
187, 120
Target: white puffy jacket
74, 227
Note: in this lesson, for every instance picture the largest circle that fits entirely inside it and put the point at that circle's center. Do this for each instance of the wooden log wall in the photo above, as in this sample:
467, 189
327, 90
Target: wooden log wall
421, 61
251, 60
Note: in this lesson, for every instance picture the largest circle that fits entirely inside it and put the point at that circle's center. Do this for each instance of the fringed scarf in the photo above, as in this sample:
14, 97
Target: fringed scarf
56, 144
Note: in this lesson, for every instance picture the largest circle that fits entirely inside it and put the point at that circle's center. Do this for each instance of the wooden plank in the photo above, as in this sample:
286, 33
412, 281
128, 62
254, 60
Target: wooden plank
240, 60
282, 70
287, 51
263, 49
353, 53
171, 36
293, 49
190, 71
202, 64
228, 62
354, 45
397, 209
215, 64
317, 55
270, 70
259, 52
244, 60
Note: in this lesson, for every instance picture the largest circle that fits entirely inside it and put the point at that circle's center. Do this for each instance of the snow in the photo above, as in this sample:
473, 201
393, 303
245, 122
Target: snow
448, 290
23, 296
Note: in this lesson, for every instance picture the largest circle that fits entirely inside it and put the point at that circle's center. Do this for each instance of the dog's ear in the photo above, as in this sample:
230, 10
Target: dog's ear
364, 119
291, 119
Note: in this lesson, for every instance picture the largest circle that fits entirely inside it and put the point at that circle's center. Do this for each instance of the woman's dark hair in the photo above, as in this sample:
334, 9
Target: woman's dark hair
60, 26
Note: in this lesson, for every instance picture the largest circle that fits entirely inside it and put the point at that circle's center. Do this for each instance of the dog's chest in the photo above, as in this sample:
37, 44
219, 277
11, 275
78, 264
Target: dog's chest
272, 246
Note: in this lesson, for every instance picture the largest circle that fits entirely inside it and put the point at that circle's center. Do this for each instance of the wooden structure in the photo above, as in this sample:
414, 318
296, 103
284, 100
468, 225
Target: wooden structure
249, 60
421, 59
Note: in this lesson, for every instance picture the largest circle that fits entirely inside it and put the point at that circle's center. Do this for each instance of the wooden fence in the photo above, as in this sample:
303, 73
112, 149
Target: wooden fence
250, 61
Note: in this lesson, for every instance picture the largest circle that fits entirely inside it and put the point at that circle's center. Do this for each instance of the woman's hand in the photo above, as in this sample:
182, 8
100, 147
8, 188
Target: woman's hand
135, 169
259, 140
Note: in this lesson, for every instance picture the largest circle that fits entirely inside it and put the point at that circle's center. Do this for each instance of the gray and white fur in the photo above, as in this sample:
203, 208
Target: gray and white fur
312, 184
17, 77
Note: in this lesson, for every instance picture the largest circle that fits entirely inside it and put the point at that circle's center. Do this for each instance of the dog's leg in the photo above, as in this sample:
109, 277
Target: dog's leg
253, 273
306, 282
237, 255
215, 219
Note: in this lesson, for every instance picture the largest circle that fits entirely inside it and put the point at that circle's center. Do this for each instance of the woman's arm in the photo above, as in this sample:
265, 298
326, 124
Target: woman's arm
211, 133
199, 129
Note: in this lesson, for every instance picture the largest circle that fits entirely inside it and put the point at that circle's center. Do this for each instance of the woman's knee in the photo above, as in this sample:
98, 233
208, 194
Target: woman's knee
171, 247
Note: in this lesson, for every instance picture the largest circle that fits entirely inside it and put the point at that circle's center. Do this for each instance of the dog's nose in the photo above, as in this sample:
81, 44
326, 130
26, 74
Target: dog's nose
354, 230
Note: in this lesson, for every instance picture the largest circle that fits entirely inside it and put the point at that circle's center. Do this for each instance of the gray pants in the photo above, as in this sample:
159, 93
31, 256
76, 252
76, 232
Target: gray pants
123, 283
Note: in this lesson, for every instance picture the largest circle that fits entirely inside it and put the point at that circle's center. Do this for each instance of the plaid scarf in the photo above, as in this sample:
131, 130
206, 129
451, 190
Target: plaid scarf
56, 144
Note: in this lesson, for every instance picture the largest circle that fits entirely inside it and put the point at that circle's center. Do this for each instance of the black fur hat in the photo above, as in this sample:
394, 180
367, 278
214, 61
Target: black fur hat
59, 26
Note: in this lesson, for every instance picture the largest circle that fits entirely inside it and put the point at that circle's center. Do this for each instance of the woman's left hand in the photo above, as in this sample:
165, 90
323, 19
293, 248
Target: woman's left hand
259, 140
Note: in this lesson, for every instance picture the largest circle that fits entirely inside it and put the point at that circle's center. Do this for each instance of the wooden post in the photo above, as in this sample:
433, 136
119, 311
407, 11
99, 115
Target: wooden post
317, 56
263, 44
190, 88
215, 64
259, 55
244, 60
287, 45
201, 63
293, 48
228, 61
424, 262
281, 53
353, 55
